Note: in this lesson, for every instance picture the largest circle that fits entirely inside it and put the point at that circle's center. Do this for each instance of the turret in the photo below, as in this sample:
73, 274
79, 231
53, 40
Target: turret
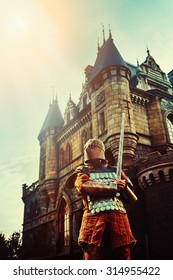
108, 86
48, 150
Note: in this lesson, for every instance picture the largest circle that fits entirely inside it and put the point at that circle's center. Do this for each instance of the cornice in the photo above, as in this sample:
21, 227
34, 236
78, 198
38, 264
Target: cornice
75, 126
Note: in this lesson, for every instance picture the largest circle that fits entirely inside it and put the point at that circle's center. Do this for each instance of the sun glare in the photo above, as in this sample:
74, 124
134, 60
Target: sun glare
19, 23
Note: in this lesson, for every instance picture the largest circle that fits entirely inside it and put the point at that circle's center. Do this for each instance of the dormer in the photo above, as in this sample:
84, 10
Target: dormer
150, 76
71, 111
84, 99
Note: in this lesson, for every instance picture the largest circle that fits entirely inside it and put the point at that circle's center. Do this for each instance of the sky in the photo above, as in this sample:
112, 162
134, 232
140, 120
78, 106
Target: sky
45, 45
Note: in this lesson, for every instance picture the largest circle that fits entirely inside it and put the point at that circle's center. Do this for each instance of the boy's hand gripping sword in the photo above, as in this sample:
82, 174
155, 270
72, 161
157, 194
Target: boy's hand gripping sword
119, 162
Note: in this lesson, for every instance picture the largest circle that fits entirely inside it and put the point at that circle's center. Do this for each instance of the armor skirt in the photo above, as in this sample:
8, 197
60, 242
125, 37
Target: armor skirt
93, 227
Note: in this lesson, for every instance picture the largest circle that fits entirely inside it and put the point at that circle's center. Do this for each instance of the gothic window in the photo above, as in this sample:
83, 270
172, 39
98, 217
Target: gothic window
169, 122
42, 168
68, 153
61, 158
64, 224
42, 161
102, 122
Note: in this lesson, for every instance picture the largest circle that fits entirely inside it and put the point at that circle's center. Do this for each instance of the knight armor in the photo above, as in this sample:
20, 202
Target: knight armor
103, 194
94, 149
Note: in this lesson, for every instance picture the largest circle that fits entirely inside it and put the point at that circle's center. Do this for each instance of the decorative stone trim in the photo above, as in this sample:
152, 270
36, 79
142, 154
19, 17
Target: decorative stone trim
155, 175
42, 220
74, 128
155, 168
139, 99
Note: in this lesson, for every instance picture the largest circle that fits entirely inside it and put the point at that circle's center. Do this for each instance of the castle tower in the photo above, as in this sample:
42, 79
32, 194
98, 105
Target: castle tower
52, 213
48, 154
108, 86
155, 177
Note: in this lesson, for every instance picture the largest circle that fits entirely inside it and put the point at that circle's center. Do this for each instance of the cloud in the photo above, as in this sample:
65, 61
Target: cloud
14, 172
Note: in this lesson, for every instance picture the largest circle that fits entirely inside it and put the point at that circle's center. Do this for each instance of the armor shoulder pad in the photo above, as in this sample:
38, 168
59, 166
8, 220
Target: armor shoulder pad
84, 169
80, 168
70, 180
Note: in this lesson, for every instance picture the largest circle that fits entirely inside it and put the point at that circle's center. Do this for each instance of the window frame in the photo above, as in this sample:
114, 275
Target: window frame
169, 125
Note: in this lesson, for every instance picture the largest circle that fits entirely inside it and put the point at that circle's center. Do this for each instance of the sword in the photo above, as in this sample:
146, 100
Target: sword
120, 159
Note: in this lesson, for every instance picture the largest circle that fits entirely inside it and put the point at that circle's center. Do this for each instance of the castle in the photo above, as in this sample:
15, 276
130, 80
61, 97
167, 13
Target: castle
52, 213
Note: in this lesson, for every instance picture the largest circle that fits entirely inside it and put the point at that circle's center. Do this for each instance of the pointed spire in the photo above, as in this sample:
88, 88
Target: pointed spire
98, 45
110, 33
107, 56
70, 102
54, 117
103, 31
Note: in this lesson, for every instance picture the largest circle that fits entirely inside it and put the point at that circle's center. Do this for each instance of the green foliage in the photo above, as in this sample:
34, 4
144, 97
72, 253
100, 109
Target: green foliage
11, 248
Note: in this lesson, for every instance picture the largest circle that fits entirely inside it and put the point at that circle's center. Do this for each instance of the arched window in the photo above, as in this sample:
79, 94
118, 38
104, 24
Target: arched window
152, 179
64, 224
102, 122
161, 176
169, 122
68, 153
145, 181
61, 158
42, 168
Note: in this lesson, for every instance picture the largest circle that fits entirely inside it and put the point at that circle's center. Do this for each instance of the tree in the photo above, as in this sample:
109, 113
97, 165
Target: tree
3, 247
11, 248
14, 244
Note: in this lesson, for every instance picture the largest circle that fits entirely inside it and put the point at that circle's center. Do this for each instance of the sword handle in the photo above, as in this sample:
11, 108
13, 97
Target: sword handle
130, 193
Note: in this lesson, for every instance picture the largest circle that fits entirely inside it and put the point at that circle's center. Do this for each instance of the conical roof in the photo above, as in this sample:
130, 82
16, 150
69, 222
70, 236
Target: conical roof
108, 55
54, 117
